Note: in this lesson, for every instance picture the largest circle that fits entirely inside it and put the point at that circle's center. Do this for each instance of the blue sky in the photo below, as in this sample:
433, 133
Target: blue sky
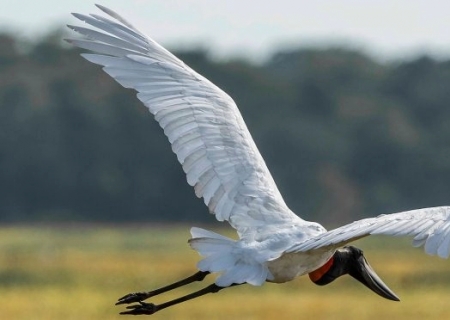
387, 29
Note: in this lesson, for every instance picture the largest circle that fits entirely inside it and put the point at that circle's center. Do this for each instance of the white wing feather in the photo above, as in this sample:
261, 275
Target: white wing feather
430, 228
202, 122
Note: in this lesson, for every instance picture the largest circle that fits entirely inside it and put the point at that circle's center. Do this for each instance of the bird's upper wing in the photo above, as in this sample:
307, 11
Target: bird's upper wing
202, 122
430, 227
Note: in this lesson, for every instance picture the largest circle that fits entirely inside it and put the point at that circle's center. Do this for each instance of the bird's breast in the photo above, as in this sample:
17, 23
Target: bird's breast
291, 265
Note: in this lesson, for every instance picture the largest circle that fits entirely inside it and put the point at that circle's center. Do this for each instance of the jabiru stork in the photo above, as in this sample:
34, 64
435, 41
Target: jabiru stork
223, 164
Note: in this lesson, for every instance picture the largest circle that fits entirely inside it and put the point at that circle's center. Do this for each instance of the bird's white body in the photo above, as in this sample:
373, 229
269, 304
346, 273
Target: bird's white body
260, 258
223, 164
294, 264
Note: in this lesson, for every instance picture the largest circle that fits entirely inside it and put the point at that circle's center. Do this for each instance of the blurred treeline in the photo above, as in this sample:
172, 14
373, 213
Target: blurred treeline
344, 135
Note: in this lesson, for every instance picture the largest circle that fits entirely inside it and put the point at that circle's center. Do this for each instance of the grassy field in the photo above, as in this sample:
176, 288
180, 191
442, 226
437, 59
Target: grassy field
78, 273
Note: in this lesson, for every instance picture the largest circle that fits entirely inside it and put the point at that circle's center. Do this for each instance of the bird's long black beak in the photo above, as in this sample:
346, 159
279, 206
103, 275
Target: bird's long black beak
364, 273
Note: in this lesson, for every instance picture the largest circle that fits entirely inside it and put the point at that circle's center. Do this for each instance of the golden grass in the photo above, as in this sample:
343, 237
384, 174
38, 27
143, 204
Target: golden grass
78, 273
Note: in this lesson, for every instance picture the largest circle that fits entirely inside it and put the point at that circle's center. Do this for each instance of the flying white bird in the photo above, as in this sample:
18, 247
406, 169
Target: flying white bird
223, 164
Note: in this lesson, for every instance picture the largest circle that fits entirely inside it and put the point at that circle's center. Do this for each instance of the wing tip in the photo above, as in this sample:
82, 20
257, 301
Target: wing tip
77, 15
105, 9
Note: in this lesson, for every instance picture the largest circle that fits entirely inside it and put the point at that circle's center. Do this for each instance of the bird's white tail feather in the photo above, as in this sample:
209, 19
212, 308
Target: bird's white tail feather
202, 233
224, 255
217, 250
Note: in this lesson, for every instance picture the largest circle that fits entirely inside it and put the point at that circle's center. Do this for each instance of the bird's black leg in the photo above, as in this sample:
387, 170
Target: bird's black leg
140, 296
149, 308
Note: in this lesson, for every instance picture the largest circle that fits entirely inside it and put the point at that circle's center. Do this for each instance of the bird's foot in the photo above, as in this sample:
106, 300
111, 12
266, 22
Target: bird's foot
141, 309
133, 297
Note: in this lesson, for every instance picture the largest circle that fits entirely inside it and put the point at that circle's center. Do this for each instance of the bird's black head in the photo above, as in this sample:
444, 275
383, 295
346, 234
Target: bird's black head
351, 260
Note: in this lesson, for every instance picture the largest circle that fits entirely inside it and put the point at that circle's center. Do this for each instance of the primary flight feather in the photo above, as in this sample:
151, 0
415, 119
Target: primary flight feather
223, 164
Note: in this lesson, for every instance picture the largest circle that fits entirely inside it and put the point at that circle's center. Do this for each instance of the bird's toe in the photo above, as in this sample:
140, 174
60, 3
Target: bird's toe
140, 309
132, 297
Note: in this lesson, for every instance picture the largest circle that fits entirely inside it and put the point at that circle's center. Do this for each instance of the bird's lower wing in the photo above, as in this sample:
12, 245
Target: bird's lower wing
202, 122
429, 227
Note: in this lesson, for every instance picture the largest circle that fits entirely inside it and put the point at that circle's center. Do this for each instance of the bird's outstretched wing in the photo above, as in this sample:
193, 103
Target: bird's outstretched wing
202, 122
429, 227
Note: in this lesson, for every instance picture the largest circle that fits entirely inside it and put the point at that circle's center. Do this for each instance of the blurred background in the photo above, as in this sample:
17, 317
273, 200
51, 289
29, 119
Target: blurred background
347, 101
